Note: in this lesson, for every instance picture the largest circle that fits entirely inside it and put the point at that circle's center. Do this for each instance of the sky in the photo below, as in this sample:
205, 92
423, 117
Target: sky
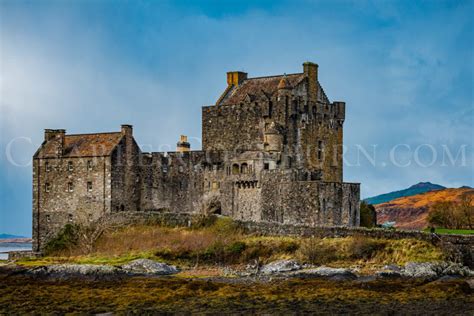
404, 69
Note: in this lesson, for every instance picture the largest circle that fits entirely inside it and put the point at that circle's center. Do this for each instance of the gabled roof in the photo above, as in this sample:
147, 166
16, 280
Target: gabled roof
257, 87
81, 145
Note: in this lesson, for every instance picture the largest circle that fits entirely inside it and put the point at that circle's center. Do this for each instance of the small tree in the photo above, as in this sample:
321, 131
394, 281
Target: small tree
454, 215
368, 215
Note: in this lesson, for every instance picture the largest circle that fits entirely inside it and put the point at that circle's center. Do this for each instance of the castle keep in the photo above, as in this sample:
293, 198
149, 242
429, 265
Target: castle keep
271, 151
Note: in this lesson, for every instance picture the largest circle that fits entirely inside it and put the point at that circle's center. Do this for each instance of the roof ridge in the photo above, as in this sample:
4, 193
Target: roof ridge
262, 77
85, 134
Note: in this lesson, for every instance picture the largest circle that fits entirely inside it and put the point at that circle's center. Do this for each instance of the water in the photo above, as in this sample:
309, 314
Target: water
12, 246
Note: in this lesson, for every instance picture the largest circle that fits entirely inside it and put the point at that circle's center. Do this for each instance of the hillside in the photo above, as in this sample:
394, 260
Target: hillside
8, 236
411, 212
418, 188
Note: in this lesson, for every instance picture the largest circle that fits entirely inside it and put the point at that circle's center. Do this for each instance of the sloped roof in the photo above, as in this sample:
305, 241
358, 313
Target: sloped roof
82, 145
255, 87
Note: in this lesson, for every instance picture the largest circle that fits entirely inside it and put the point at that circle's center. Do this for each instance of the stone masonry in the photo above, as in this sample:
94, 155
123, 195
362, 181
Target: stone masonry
272, 152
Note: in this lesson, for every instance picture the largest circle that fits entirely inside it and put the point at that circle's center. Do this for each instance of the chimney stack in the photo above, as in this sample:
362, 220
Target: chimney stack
58, 136
183, 145
127, 130
236, 77
311, 72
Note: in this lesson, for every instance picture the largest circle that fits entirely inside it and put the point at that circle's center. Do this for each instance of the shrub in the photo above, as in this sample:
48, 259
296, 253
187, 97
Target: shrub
65, 240
364, 248
368, 215
315, 251
236, 248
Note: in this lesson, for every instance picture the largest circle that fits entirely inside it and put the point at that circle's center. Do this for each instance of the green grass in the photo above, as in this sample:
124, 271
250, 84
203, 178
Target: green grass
453, 231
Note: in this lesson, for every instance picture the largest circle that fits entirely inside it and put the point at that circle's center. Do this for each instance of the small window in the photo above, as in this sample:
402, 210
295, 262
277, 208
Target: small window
91, 218
89, 165
47, 166
89, 186
320, 150
48, 218
244, 168
70, 217
70, 187
47, 187
70, 166
266, 166
235, 169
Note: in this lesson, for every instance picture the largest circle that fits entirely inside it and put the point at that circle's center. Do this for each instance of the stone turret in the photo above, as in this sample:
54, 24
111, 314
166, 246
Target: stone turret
273, 139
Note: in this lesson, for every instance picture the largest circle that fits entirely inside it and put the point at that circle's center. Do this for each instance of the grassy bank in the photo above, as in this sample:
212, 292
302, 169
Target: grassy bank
453, 231
221, 243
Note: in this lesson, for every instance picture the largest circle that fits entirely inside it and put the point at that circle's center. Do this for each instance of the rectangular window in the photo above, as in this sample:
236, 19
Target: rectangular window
70, 187
47, 187
89, 186
70, 167
47, 166
89, 165
48, 218
70, 217
266, 166
320, 150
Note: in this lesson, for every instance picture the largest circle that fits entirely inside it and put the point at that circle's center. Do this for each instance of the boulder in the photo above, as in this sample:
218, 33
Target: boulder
433, 270
422, 270
391, 267
280, 266
327, 272
148, 267
75, 270
388, 274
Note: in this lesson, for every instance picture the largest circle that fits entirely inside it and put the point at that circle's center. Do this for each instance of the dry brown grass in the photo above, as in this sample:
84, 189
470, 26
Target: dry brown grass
145, 238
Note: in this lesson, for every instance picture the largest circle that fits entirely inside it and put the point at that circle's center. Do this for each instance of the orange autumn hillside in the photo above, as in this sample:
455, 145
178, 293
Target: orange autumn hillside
411, 212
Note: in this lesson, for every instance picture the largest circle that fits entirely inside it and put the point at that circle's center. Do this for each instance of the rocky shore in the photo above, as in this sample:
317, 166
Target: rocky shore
280, 269
280, 287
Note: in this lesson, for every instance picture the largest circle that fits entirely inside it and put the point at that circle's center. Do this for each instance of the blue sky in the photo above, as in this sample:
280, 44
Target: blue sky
404, 68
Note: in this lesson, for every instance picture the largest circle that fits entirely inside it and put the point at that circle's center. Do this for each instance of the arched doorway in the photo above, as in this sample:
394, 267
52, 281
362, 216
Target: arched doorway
214, 208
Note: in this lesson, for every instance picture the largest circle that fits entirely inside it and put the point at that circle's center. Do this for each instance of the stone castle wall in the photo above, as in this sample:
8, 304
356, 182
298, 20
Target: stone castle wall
68, 190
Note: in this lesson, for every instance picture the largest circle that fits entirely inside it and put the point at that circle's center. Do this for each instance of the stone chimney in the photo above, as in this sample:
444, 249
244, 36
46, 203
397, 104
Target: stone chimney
127, 130
311, 72
236, 77
54, 134
58, 136
183, 145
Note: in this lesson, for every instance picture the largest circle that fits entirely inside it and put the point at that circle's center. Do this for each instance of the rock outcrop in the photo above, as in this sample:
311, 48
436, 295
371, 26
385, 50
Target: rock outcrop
148, 267
280, 266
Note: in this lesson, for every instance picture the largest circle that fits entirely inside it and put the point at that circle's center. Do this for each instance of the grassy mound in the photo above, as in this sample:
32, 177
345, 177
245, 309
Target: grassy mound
221, 243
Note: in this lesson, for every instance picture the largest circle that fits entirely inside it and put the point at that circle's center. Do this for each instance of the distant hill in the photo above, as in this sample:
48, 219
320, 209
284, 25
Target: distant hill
8, 236
411, 212
418, 188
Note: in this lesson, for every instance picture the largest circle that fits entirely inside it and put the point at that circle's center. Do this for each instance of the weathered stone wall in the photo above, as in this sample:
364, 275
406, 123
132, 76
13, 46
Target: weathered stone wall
173, 181
61, 194
126, 173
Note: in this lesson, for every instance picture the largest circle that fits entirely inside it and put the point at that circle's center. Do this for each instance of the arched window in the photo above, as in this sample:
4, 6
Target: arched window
244, 168
235, 168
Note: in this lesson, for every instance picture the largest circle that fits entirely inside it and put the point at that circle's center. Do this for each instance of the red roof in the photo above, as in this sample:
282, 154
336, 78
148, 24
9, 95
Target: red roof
82, 145
257, 87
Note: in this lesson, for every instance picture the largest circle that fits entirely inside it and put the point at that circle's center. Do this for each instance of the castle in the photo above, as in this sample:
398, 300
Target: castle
271, 151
